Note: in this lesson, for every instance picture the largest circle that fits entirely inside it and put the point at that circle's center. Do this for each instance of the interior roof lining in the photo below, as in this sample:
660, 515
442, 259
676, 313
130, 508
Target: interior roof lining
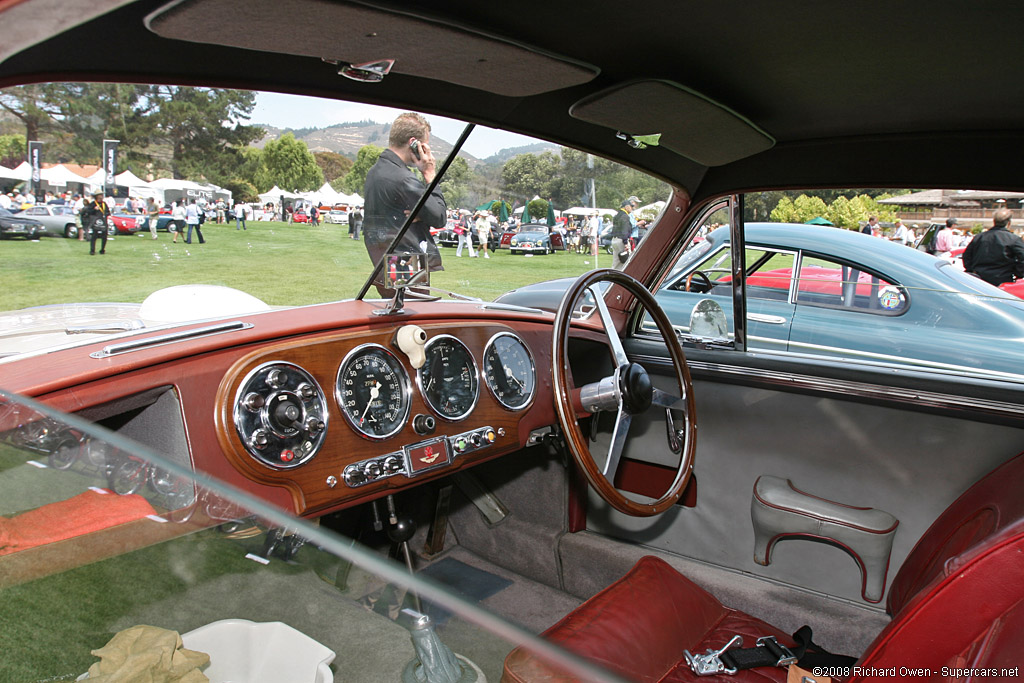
367, 34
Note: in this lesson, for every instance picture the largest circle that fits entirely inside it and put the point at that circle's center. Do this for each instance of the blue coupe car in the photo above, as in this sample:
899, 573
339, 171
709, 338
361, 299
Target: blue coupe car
830, 292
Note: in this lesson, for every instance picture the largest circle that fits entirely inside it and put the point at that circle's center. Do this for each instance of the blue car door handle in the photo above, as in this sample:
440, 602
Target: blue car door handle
770, 319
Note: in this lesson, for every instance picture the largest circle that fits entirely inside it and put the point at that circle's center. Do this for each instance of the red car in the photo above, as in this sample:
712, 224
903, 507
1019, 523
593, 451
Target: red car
125, 224
1014, 288
300, 216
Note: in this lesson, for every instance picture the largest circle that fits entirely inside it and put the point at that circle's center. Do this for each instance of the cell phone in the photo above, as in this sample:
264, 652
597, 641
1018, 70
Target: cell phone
414, 145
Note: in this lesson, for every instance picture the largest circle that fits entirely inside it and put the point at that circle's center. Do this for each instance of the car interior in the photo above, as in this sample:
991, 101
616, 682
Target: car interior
611, 493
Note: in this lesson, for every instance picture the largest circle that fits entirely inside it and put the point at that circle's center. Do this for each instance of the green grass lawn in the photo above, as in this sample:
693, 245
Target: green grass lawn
279, 263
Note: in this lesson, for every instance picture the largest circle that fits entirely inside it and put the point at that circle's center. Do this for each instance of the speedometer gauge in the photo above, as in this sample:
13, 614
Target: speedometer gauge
509, 371
448, 378
373, 391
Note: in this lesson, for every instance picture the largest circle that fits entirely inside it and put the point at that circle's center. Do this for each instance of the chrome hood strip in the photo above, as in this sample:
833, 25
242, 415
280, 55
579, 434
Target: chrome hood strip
150, 342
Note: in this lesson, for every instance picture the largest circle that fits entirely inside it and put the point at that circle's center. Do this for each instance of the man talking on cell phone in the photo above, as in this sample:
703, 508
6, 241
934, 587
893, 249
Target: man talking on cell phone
392, 190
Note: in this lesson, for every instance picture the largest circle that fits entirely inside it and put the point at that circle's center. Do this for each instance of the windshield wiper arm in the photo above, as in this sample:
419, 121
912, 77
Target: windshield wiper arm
379, 266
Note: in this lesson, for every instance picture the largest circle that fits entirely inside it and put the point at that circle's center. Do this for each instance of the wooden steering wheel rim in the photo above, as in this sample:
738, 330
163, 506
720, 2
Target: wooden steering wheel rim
574, 437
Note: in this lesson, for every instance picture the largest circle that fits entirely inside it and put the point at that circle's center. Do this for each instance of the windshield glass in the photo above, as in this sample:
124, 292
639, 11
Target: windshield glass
118, 560
292, 201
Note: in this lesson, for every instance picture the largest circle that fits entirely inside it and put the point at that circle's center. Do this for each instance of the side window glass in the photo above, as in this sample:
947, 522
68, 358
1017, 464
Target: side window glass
828, 283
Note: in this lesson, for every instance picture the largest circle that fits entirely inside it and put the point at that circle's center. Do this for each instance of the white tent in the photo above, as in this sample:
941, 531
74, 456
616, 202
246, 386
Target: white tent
61, 175
585, 211
274, 194
137, 187
22, 172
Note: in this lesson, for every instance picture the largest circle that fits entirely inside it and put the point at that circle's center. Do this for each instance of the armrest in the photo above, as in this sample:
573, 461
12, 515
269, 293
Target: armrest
779, 510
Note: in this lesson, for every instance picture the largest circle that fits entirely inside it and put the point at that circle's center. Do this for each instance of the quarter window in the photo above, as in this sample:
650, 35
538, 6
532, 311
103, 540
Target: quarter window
829, 283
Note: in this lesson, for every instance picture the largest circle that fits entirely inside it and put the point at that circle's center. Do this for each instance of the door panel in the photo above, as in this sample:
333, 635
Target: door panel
909, 460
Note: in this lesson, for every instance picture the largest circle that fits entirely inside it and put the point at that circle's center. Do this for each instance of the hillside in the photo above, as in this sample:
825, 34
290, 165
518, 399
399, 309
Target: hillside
347, 138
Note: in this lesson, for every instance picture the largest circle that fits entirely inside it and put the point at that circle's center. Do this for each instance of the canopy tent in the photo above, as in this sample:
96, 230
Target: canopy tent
60, 175
587, 211
274, 194
137, 187
175, 190
20, 172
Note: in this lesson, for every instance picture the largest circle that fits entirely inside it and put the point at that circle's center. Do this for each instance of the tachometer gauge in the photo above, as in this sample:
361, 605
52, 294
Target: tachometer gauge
373, 391
509, 371
448, 379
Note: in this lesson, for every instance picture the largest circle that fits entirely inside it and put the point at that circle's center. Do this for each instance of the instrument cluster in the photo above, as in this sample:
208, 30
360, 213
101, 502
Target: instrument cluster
281, 413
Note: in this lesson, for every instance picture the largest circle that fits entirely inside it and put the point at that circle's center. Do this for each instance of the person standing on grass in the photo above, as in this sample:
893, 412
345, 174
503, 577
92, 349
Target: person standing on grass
240, 216
192, 218
483, 232
94, 218
153, 211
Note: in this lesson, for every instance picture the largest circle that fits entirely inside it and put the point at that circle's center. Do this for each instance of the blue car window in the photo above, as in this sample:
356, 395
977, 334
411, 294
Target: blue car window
830, 283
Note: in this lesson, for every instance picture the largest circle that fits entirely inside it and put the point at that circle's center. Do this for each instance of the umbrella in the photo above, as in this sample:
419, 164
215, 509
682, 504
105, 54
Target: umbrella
526, 213
551, 212
819, 221
502, 211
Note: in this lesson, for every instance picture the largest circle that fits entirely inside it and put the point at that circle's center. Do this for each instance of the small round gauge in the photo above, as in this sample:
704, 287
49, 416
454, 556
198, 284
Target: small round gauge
509, 371
448, 378
373, 391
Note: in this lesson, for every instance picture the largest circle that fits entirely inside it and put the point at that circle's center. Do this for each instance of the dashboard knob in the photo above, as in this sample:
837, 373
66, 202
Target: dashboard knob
460, 444
372, 470
392, 465
490, 436
476, 439
253, 401
424, 424
276, 378
305, 391
259, 439
314, 425
354, 476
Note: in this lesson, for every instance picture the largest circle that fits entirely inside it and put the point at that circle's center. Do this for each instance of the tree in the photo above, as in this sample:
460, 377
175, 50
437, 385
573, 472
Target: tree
527, 175
333, 165
204, 128
356, 177
38, 107
288, 163
12, 150
454, 185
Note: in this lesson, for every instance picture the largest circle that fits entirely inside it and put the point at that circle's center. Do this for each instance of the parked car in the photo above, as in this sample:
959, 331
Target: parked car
336, 216
536, 238
56, 219
300, 216
447, 237
236, 451
126, 223
14, 225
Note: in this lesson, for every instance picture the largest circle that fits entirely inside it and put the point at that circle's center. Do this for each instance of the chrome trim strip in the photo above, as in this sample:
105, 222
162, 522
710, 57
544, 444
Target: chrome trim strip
849, 388
164, 339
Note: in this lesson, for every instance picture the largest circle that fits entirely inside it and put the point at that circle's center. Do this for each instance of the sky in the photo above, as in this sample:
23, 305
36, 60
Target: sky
294, 111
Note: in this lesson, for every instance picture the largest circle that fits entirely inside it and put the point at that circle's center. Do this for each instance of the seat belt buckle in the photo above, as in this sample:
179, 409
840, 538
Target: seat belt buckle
782, 654
710, 663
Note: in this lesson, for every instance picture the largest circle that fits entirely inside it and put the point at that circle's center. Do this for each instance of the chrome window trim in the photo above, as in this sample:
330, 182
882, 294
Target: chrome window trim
848, 388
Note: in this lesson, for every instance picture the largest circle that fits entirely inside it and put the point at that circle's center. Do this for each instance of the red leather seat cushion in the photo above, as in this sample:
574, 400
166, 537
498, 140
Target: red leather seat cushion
639, 626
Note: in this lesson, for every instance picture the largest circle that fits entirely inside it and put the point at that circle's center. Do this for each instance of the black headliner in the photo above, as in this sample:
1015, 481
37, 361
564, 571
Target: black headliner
872, 93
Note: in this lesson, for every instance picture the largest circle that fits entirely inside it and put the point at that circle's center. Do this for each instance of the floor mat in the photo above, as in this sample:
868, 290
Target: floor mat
470, 583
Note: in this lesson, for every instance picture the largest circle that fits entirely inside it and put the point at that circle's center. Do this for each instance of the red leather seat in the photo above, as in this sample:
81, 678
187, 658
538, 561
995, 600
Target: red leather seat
957, 602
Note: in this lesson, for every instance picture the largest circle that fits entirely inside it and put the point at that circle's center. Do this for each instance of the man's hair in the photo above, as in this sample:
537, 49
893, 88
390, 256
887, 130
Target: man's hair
1001, 218
407, 125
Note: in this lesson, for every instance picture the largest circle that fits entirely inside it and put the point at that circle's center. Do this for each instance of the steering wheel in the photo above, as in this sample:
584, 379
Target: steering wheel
628, 392
706, 281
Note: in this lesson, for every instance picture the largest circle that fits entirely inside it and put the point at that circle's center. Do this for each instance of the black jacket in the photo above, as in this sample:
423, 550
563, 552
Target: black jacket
996, 256
391, 189
621, 226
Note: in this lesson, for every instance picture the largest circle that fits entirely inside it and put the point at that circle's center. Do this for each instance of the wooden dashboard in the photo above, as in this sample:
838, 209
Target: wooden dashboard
349, 466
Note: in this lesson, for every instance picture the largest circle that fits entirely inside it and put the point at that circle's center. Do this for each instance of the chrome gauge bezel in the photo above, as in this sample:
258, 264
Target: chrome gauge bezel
248, 421
474, 374
487, 381
403, 378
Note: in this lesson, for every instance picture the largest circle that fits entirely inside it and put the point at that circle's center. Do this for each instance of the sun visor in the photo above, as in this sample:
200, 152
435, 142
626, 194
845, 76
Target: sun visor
360, 34
689, 123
